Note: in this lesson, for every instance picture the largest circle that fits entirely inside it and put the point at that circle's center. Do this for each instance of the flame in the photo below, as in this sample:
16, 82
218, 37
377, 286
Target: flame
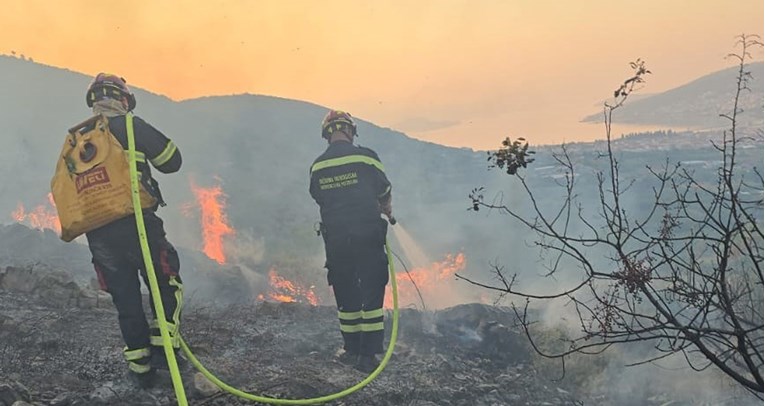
436, 283
211, 202
40, 217
283, 290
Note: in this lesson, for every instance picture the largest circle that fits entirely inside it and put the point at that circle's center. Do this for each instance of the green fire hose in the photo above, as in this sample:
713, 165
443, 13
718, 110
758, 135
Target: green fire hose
166, 340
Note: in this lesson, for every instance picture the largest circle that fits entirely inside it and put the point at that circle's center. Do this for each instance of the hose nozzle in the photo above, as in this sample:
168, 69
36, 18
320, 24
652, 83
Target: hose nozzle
392, 220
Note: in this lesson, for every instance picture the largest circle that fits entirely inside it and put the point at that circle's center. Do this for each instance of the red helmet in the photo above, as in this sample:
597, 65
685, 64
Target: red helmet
107, 85
337, 120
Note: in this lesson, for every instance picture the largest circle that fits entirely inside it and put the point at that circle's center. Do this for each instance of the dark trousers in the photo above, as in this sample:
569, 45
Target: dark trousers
118, 262
358, 272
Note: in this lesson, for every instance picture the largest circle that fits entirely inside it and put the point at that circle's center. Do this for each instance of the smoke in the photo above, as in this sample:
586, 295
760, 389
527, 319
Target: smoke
246, 252
667, 381
245, 249
257, 281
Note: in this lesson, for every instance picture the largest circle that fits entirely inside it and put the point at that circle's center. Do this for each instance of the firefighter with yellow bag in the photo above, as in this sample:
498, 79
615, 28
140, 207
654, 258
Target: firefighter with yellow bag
91, 189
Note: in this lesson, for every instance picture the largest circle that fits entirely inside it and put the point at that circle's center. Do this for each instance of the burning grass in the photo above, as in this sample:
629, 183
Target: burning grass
42, 216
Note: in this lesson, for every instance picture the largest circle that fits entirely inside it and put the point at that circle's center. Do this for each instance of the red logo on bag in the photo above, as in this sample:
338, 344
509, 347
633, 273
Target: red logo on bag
93, 177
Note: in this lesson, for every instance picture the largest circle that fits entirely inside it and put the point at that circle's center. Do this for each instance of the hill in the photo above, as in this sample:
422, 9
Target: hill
698, 104
258, 150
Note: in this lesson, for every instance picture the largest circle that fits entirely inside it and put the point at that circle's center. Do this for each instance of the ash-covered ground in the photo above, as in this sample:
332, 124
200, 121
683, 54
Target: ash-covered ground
67, 351
60, 345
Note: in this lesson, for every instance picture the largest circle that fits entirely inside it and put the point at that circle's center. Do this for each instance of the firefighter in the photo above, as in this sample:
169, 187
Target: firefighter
115, 247
348, 183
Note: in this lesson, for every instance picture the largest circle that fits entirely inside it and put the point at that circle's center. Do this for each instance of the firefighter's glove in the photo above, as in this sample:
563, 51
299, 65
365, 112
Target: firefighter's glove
386, 208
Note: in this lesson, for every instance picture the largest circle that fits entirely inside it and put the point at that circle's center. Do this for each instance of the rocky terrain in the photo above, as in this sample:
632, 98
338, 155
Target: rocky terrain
60, 346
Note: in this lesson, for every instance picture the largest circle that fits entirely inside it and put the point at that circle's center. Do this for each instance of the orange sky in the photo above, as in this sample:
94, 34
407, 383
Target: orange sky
455, 72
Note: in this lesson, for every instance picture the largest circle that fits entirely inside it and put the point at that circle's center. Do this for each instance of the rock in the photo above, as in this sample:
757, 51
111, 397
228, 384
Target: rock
12, 392
513, 397
21, 280
94, 284
143, 398
57, 289
88, 299
62, 399
80, 401
117, 392
501, 341
54, 288
94, 299
68, 399
103, 394
203, 388
5, 320
104, 300
21, 245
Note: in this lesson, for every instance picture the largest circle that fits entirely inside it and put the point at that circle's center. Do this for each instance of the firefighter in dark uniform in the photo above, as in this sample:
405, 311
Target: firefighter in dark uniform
349, 184
115, 247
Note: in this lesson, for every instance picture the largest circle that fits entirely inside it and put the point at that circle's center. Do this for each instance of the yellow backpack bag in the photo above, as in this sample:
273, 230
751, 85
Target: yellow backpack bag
91, 185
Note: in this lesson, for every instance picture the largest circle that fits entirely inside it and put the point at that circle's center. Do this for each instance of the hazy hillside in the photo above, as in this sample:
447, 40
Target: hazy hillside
698, 104
259, 149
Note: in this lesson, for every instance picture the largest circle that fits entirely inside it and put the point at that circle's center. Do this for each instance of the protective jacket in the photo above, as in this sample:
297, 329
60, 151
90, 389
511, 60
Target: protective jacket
348, 182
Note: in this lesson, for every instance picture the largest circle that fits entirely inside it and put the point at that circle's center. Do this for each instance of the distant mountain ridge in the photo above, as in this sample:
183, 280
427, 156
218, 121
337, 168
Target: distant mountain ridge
698, 104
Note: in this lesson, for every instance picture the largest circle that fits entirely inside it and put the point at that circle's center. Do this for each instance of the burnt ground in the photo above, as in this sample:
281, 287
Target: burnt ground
462, 356
60, 346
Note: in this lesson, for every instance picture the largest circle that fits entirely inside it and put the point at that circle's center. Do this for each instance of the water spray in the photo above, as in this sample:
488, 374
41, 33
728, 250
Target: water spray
392, 220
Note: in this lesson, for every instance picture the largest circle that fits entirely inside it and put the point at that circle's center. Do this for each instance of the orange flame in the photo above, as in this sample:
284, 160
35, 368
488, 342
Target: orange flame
40, 217
215, 225
283, 290
435, 282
